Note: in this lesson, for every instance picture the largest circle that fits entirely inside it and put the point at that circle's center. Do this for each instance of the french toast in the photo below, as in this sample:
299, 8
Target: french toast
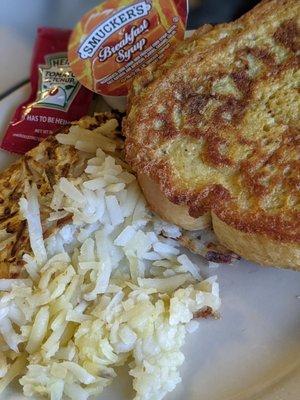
44, 165
216, 132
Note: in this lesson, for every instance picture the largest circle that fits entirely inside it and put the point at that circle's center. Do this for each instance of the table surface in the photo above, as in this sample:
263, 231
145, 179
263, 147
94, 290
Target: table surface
19, 20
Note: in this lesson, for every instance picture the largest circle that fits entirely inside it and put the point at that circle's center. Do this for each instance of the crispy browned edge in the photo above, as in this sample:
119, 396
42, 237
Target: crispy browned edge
11, 261
276, 228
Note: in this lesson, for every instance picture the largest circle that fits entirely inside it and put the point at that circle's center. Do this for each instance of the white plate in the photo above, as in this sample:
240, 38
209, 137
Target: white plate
252, 352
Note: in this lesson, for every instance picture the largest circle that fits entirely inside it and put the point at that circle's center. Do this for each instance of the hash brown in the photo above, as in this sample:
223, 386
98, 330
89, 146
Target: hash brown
44, 165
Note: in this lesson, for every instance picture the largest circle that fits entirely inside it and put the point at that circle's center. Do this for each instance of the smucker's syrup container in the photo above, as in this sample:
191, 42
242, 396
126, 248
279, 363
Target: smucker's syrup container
114, 41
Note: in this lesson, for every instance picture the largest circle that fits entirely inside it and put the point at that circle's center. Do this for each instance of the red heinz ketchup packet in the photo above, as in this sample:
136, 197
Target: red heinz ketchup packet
115, 40
56, 98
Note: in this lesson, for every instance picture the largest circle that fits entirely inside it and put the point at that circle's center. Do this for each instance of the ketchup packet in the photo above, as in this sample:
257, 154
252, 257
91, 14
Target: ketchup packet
56, 98
118, 38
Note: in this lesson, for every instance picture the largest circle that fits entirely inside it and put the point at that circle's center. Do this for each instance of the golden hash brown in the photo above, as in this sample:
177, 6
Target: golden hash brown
44, 165
219, 129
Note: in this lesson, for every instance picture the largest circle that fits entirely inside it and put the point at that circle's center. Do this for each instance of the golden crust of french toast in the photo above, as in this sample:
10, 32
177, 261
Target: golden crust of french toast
219, 129
199, 42
44, 165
